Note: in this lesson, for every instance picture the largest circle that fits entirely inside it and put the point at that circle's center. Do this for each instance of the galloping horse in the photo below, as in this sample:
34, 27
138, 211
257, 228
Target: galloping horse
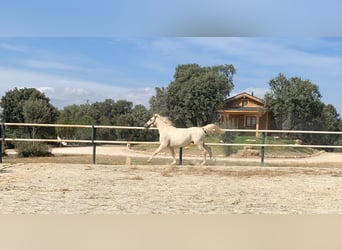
172, 137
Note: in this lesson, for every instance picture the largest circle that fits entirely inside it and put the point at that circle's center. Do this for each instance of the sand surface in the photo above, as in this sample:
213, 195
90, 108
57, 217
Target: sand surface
42, 188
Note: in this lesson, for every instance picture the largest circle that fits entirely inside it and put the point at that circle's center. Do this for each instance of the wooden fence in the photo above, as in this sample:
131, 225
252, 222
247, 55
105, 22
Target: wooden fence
94, 142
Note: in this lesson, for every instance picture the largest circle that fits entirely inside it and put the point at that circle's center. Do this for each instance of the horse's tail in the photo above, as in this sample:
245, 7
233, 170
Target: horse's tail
212, 129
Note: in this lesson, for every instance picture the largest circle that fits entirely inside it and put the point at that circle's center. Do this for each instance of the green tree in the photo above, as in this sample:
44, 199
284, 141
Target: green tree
158, 103
75, 114
136, 118
107, 112
39, 111
67, 116
276, 100
195, 94
296, 105
12, 103
27, 105
330, 121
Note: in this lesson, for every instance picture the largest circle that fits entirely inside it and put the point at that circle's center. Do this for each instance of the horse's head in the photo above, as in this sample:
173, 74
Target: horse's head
151, 122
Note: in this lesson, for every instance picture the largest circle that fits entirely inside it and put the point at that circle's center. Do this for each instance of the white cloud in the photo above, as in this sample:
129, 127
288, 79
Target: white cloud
8, 46
46, 64
46, 89
64, 91
269, 52
77, 91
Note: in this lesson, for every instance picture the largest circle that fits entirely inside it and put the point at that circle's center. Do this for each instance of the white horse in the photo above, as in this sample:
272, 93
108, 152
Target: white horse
172, 137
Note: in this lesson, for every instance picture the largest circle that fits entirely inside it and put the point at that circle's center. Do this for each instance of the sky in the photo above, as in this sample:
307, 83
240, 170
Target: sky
86, 51
76, 70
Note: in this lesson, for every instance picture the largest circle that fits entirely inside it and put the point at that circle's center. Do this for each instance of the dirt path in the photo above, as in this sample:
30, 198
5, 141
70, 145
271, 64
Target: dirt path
321, 157
107, 189
51, 188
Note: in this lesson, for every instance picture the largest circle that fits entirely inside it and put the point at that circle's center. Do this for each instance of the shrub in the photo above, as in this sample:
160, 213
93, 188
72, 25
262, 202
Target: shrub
32, 149
3, 149
227, 137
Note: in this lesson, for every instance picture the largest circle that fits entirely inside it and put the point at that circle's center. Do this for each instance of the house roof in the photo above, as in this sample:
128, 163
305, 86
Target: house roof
243, 96
258, 109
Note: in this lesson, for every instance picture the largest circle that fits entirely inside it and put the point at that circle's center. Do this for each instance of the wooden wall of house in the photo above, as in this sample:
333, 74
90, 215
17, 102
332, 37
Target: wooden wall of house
253, 103
233, 104
238, 121
238, 103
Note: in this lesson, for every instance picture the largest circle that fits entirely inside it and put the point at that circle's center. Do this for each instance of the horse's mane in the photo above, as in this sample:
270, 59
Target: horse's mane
165, 120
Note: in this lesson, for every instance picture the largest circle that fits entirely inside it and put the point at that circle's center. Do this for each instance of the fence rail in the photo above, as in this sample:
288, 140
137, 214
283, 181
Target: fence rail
93, 141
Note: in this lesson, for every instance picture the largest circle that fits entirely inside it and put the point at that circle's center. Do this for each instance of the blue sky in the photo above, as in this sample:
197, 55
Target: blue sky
80, 69
85, 50
170, 18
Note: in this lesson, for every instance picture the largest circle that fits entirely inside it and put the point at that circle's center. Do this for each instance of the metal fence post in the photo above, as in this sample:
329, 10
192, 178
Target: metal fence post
262, 153
1, 137
180, 156
93, 138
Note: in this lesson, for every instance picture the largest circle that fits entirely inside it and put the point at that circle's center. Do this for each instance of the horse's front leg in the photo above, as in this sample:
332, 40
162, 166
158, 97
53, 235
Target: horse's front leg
205, 149
160, 148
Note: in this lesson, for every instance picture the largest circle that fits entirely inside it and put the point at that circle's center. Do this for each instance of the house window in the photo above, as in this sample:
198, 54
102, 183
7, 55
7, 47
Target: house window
250, 121
244, 103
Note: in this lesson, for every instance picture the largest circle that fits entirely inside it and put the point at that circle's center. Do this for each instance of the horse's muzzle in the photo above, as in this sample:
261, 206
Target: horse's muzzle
146, 126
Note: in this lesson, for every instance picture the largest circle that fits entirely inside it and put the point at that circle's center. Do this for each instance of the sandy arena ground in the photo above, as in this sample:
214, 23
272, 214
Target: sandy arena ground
149, 189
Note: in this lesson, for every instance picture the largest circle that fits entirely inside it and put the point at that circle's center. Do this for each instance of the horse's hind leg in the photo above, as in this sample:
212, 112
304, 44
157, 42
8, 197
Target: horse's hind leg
172, 150
208, 150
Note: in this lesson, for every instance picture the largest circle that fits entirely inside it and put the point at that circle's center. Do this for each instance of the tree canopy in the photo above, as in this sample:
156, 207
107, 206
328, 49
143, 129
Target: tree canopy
191, 99
158, 102
14, 102
195, 94
107, 112
27, 105
296, 105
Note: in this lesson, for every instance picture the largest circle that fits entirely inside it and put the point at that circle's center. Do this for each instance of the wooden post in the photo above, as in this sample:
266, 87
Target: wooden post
257, 125
93, 138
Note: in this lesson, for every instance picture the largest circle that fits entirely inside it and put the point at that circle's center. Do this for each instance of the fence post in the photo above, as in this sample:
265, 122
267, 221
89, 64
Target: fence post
262, 153
93, 138
1, 137
180, 156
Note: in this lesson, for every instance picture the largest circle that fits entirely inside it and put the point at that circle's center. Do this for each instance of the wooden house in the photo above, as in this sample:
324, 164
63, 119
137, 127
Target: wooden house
245, 111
